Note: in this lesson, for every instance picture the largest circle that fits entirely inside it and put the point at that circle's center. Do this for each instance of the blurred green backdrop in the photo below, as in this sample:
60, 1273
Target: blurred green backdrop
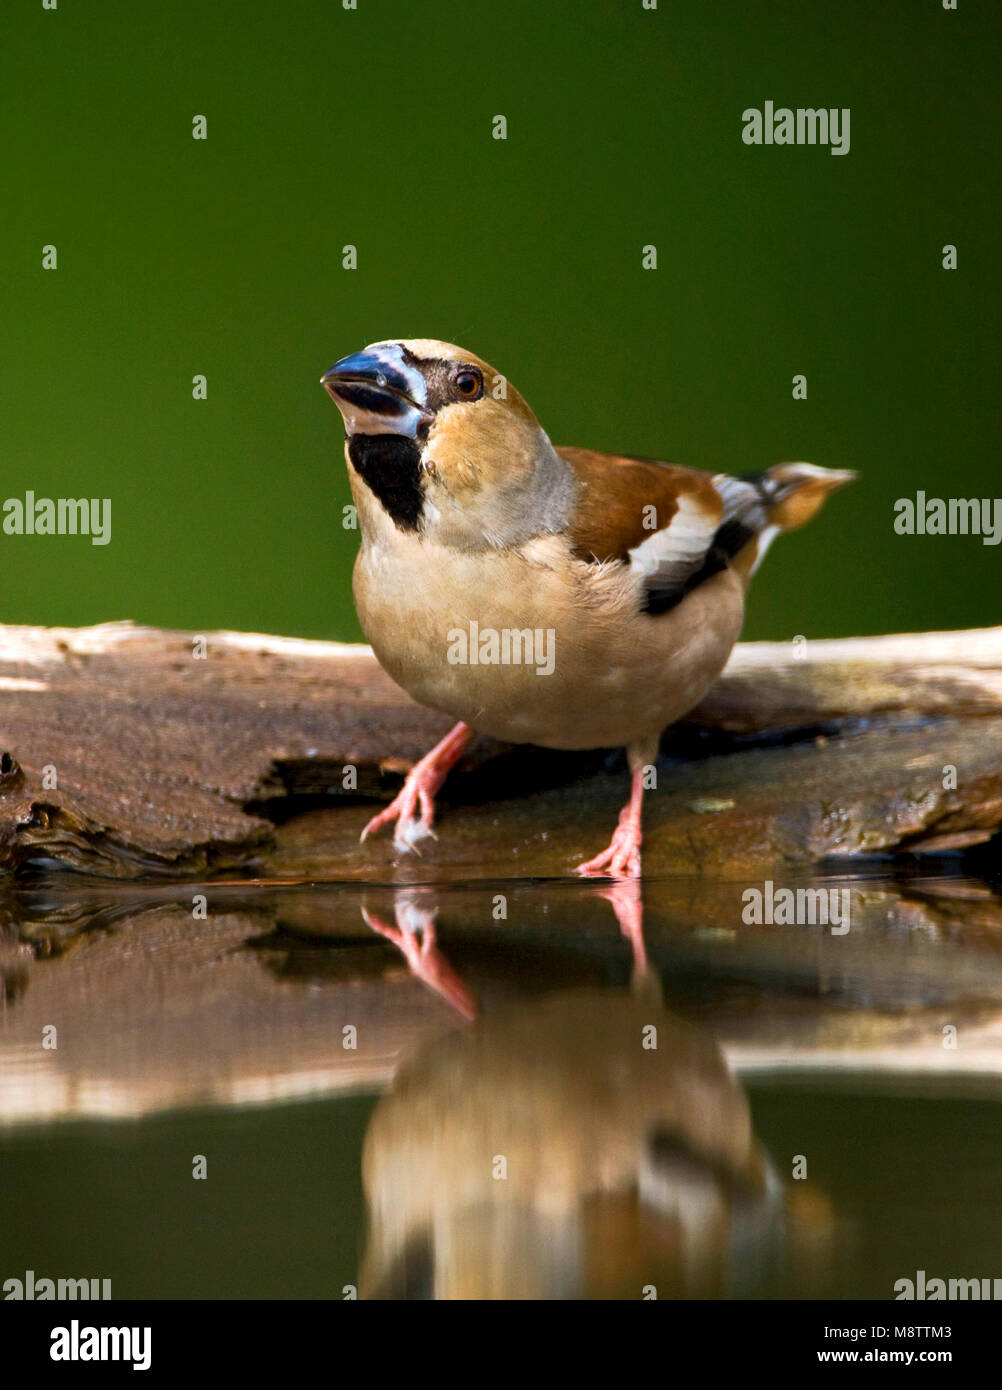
373, 127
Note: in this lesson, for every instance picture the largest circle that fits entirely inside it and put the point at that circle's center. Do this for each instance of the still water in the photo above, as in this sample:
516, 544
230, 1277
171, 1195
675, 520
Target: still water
521, 1089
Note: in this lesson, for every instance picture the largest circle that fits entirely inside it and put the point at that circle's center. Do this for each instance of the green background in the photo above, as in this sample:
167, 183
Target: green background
373, 127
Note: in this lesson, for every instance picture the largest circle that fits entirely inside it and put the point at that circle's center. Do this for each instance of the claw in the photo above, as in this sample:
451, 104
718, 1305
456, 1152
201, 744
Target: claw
423, 781
621, 860
414, 936
409, 833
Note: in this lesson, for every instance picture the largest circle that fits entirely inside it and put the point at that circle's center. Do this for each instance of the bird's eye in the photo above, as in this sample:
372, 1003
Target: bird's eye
469, 383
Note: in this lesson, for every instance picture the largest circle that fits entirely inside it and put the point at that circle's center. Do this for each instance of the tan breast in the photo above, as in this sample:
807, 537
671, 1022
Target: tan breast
582, 666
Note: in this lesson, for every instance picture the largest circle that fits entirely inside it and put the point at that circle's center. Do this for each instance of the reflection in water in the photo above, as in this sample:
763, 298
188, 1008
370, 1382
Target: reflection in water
589, 1144
414, 934
527, 1141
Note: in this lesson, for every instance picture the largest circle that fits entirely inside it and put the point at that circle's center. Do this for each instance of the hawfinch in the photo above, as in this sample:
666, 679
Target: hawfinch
542, 595
624, 1166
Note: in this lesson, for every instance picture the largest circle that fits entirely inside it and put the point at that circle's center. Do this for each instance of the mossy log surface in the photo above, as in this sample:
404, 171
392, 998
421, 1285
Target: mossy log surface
126, 755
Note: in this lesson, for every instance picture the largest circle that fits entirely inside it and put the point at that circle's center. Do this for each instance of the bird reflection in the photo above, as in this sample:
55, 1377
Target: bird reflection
589, 1144
414, 935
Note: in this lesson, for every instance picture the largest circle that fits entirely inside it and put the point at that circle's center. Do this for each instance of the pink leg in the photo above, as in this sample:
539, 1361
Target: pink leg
624, 894
423, 781
622, 858
414, 935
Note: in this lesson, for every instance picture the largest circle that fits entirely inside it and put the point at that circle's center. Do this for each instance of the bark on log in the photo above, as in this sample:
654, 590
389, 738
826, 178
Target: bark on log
126, 755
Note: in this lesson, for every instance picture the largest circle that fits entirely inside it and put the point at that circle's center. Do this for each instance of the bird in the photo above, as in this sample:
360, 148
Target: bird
545, 595
584, 1144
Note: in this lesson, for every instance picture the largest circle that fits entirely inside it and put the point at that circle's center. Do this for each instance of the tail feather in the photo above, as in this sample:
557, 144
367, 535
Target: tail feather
792, 493
758, 506
680, 557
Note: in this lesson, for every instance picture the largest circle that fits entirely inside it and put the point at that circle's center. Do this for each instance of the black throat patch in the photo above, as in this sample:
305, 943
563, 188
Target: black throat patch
390, 465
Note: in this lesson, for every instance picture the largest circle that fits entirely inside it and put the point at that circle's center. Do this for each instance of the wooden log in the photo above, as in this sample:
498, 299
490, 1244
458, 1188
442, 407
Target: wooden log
129, 752
793, 684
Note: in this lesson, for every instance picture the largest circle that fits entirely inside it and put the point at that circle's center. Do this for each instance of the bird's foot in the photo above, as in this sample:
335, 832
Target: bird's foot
414, 935
409, 828
418, 793
622, 858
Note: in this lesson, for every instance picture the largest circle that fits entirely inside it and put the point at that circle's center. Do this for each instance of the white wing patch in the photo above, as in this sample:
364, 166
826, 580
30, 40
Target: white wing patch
697, 544
667, 557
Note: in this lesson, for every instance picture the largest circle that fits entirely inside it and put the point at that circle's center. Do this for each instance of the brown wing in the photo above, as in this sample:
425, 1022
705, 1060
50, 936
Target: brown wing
675, 525
624, 501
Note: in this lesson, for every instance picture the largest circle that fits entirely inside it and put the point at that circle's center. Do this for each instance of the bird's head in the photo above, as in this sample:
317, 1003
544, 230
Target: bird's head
447, 446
